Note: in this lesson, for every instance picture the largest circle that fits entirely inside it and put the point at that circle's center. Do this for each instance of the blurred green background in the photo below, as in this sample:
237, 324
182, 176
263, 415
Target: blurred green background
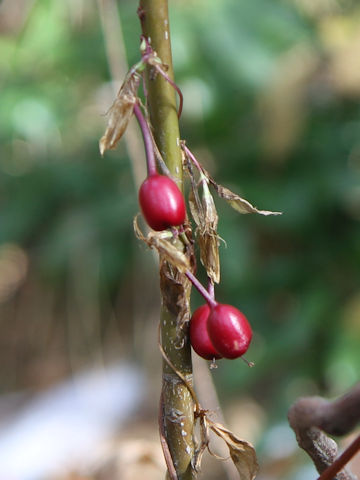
271, 92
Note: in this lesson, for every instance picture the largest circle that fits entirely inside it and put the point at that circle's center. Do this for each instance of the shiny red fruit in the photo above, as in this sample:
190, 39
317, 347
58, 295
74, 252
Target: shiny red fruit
161, 202
229, 331
199, 336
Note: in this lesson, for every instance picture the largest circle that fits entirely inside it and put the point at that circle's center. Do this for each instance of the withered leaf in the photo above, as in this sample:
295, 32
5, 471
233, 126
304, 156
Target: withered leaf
202, 446
195, 206
211, 215
208, 237
120, 113
205, 216
238, 203
209, 254
168, 251
235, 201
242, 453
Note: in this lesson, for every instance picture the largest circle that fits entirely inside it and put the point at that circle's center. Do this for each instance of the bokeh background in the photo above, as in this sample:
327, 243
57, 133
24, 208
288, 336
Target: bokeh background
272, 109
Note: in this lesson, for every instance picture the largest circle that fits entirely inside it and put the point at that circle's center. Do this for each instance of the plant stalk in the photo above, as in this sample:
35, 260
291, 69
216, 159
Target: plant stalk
149, 149
177, 409
208, 296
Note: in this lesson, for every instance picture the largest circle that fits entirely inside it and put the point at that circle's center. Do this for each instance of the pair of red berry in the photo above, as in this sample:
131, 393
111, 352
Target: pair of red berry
219, 331
215, 331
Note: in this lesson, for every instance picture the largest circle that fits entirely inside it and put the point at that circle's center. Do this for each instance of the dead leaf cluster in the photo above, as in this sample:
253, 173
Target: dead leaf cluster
120, 112
160, 241
174, 263
206, 218
234, 200
241, 452
203, 211
122, 109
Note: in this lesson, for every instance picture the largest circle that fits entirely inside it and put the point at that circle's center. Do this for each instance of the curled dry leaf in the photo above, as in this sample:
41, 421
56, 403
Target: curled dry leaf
168, 251
120, 112
242, 453
235, 201
176, 295
206, 218
239, 204
173, 264
203, 444
195, 206
208, 237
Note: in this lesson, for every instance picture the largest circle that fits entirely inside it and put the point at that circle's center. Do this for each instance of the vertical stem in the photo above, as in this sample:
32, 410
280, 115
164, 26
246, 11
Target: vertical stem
178, 408
162, 98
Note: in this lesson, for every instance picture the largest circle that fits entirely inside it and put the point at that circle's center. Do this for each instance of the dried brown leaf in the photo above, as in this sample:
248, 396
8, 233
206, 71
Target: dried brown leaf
205, 216
211, 215
137, 229
208, 237
195, 206
235, 201
173, 264
242, 453
240, 204
202, 446
209, 254
120, 113
168, 251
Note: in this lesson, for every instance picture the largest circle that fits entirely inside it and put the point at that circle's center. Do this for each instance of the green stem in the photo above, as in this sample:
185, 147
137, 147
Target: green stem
161, 95
178, 407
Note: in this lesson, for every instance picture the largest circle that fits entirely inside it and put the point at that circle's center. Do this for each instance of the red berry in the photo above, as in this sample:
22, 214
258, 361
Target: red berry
199, 336
229, 331
161, 202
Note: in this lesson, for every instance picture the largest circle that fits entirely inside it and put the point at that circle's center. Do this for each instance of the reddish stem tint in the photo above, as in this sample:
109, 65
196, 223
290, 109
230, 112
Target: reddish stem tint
148, 143
209, 299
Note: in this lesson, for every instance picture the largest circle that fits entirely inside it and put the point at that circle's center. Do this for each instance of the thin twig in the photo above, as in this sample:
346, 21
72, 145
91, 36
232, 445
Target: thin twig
173, 84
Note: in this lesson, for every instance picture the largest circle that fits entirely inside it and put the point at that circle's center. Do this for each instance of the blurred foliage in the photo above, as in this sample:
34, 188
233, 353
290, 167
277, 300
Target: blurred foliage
272, 95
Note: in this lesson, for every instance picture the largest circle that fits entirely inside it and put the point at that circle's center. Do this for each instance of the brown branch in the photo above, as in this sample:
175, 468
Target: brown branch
333, 470
310, 417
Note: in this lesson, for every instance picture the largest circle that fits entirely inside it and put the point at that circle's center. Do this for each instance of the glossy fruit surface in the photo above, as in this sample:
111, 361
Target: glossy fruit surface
161, 202
199, 336
229, 331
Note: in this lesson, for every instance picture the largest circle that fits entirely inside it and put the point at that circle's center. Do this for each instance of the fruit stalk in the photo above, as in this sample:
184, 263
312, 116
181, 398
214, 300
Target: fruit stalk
208, 296
149, 148
177, 411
